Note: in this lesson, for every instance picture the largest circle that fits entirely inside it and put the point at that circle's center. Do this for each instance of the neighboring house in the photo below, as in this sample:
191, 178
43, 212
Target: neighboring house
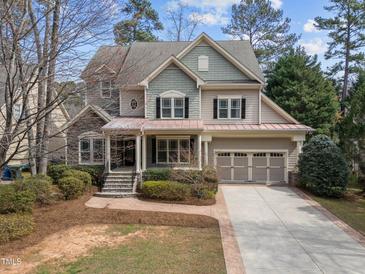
184, 105
59, 117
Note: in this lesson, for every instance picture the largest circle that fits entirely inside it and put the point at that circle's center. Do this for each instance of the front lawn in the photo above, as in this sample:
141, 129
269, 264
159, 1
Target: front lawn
151, 250
350, 209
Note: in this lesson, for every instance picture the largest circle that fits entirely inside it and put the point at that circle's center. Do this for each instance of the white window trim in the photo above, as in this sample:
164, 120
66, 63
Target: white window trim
172, 107
91, 139
17, 117
178, 138
201, 65
110, 88
229, 107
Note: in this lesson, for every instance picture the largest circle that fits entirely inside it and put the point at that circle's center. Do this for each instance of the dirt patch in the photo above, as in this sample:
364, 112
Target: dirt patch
67, 214
189, 201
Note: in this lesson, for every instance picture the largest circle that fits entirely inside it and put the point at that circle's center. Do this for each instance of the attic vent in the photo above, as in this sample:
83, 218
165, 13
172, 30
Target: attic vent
203, 63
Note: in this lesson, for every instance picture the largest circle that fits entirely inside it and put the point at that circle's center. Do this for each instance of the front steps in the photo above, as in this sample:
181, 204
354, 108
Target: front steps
117, 185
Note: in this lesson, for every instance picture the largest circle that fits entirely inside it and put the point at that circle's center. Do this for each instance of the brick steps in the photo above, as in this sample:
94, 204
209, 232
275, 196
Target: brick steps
117, 185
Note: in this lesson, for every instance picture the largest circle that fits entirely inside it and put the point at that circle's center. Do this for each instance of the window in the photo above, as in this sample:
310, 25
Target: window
91, 150
229, 108
17, 111
172, 107
203, 63
106, 88
173, 151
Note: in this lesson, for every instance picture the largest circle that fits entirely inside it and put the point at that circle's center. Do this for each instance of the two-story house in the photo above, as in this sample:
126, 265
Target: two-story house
184, 105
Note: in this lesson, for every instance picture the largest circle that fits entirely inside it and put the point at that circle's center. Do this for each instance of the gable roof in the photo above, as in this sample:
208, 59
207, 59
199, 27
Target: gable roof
164, 65
133, 64
278, 109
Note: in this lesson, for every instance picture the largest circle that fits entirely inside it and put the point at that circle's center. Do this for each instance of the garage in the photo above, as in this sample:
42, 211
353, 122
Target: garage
253, 166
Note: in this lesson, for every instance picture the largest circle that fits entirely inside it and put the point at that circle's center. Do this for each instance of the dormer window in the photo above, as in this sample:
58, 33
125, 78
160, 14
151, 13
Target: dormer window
172, 108
203, 63
106, 88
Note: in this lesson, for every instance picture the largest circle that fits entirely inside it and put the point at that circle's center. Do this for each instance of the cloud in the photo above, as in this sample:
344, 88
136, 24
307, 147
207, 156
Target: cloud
209, 18
276, 3
310, 26
314, 46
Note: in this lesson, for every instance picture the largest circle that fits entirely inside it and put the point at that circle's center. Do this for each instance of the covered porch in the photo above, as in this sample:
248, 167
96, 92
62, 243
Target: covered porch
136, 144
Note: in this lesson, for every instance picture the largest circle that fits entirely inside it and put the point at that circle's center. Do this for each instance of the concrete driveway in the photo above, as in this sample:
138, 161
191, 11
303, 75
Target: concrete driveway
279, 232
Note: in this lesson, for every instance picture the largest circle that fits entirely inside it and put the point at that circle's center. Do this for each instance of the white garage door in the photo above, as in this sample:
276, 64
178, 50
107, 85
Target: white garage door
260, 167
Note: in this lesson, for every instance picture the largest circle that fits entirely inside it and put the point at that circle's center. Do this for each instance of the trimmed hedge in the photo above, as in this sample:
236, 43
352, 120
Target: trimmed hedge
55, 171
15, 226
323, 168
83, 176
166, 190
40, 185
155, 174
71, 187
13, 201
96, 172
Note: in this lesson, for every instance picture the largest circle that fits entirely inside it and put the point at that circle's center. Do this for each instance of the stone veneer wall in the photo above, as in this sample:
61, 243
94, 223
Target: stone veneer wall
88, 122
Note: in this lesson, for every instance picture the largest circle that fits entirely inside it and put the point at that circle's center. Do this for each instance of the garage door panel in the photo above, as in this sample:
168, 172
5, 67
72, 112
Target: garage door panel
277, 162
224, 173
277, 174
259, 174
223, 160
240, 161
241, 174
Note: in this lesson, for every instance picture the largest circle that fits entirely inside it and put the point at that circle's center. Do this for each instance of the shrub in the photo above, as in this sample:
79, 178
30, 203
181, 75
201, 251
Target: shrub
210, 175
40, 185
83, 176
188, 176
13, 201
55, 171
166, 190
14, 226
154, 174
96, 172
322, 167
71, 187
203, 191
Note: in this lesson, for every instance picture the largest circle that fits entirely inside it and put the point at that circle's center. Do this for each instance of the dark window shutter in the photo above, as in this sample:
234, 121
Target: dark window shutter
192, 140
243, 108
153, 150
186, 107
215, 108
158, 108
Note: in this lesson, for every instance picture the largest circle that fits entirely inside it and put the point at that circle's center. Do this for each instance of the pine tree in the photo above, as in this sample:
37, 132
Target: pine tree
298, 85
265, 28
143, 21
347, 38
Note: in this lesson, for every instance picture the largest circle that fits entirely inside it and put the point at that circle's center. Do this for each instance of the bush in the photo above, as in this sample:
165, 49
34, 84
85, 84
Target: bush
203, 191
83, 176
55, 171
188, 176
322, 167
71, 187
154, 174
210, 175
166, 190
40, 185
96, 172
14, 226
13, 201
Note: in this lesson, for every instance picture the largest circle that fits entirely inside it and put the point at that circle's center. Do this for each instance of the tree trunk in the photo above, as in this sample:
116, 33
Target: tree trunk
347, 61
50, 87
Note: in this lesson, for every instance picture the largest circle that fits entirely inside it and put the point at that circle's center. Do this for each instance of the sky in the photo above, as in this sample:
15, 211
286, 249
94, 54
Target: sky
216, 13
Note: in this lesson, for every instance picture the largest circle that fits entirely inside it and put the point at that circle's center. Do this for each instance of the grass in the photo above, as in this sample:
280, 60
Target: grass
350, 209
166, 250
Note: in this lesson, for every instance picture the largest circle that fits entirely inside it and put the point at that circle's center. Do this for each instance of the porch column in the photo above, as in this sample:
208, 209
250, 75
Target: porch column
144, 152
138, 153
299, 146
107, 153
199, 152
206, 153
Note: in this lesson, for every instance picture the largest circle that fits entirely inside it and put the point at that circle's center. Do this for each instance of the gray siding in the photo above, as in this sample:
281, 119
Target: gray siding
252, 106
256, 143
172, 78
268, 115
88, 122
126, 97
220, 69
93, 97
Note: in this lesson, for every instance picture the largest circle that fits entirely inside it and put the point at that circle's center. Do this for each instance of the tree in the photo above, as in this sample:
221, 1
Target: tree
347, 38
298, 85
143, 20
265, 28
183, 22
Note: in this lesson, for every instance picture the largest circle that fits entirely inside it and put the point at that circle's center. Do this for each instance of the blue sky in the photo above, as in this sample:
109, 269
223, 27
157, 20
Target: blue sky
216, 14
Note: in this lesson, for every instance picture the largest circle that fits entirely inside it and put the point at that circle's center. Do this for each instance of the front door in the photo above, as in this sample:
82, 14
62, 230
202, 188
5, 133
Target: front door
122, 153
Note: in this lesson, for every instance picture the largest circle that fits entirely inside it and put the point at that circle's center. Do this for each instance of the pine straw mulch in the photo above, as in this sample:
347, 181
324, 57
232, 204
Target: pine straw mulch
66, 214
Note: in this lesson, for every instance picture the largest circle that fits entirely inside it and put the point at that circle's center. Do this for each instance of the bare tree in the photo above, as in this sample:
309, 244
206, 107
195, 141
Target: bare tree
183, 22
